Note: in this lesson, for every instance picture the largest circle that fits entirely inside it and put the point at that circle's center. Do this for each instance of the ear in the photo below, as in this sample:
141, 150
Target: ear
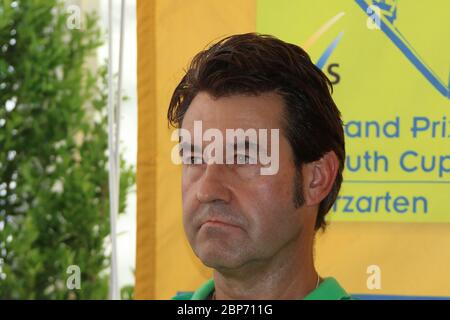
318, 178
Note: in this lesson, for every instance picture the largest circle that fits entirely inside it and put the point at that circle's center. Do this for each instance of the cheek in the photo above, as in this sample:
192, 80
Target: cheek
273, 219
276, 188
189, 203
270, 204
184, 185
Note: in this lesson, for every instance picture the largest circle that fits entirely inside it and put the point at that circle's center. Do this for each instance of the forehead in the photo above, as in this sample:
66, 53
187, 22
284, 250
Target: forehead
238, 111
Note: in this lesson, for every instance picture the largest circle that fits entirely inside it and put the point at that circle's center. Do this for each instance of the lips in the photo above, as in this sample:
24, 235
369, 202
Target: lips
219, 223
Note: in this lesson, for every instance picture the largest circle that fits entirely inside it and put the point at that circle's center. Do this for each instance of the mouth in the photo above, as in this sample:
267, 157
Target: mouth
219, 223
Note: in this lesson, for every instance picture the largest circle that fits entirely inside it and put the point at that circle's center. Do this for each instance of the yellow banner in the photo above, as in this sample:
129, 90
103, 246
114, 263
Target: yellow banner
389, 64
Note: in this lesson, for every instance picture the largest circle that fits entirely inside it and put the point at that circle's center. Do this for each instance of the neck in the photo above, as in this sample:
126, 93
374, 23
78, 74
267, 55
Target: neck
289, 274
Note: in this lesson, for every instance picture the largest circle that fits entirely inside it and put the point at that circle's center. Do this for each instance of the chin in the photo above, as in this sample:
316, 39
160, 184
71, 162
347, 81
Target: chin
217, 257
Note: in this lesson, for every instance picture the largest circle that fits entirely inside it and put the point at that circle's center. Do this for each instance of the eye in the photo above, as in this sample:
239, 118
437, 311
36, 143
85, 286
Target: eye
242, 159
192, 160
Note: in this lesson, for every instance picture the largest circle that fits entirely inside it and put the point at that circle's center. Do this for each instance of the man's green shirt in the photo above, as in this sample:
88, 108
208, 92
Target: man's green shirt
329, 289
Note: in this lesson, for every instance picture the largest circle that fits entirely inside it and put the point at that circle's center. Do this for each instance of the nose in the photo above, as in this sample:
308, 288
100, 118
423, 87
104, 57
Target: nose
211, 186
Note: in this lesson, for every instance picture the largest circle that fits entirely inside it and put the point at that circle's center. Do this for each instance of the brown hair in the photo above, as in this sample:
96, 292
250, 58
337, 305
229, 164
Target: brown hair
255, 63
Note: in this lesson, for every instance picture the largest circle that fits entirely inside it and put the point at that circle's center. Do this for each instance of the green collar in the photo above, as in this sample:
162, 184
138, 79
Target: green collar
204, 291
329, 289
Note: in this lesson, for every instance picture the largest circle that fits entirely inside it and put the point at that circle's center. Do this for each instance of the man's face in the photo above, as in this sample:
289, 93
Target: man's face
232, 214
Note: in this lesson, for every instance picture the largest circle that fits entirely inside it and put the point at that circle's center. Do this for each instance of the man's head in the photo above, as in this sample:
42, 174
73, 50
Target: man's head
232, 214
